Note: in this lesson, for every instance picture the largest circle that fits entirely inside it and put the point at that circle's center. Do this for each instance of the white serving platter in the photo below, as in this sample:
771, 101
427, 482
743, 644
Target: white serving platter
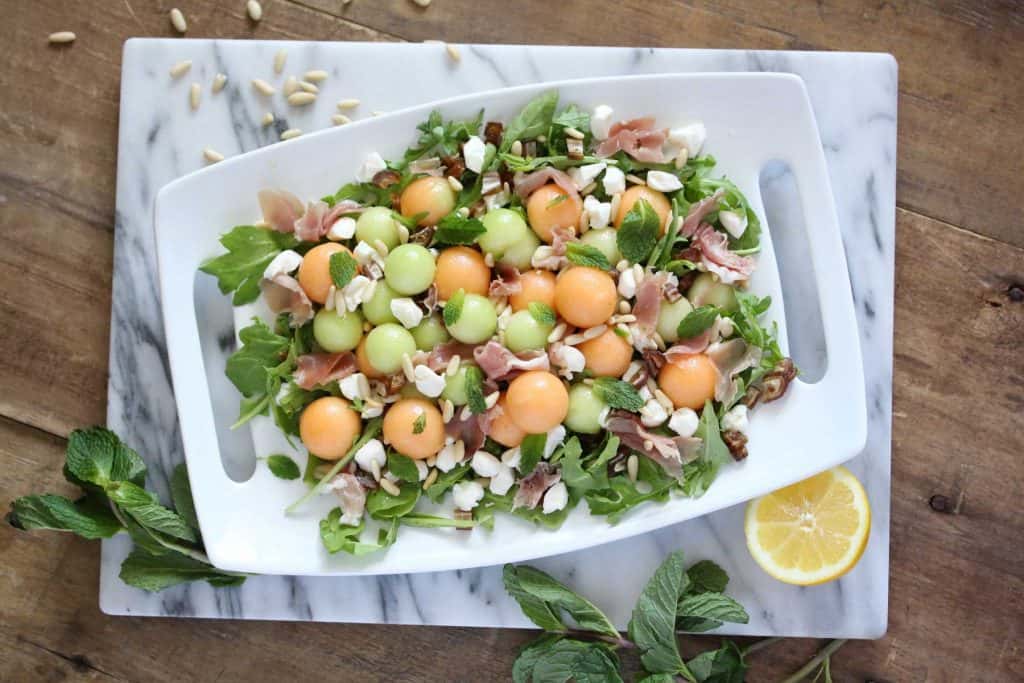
752, 119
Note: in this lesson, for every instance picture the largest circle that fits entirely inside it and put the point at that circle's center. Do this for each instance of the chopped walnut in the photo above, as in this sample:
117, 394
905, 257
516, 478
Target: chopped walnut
775, 383
386, 178
493, 131
736, 441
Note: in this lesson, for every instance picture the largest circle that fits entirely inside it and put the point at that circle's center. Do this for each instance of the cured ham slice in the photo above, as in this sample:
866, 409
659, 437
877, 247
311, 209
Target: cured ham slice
533, 487
698, 212
284, 295
668, 452
352, 496
648, 301
280, 209
438, 358
531, 181
468, 431
506, 281
317, 369
716, 257
731, 358
637, 138
498, 363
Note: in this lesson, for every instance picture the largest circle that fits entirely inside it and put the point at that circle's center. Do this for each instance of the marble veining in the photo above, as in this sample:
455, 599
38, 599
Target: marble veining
854, 99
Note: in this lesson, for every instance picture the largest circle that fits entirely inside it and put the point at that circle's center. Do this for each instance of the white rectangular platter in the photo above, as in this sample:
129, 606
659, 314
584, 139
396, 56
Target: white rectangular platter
158, 133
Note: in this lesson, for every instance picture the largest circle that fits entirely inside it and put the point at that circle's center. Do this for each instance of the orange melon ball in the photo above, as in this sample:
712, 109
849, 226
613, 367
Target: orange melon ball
551, 207
503, 429
430, 195
363, 361
328, 427
657, 200
537, 285
585, 296
689, 381
315, 271
461, 268
414, 428
537, 401
608, 355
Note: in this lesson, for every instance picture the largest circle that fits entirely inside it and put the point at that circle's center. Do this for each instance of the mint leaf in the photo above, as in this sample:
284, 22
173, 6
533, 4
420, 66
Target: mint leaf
250, 251
343, 268
638, 233
446, 480
249, 367
529, 584
149, 514
456, 229
542, 313
705, 611
382, 505
181, 496
746, 321
366, 194
576, 661
707, 577
653, 624
536, 610
531, 452
618, 394
453, 309
534, 119
724, 665
581, 254
474, 383
419, 424
155, 573
402, 467
696, 321
86, 517
522, 667
283, 467
97, 456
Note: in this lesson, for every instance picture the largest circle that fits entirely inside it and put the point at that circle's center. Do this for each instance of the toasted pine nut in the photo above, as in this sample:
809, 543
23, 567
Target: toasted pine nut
453, 52
178, 20
279, 59
350, 103
62, 37
308, 87
340, 119
301, 99
389, 487
267, 119
194, 92
181, 68
254, 9
291, 133
218, 82
315, 76
212, 155
262, 87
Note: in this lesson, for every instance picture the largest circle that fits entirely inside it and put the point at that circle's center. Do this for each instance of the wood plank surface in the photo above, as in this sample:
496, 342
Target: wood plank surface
957, 573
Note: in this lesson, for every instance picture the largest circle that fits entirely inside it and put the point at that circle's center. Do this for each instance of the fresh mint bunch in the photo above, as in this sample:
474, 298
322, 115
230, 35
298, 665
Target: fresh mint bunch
168, 546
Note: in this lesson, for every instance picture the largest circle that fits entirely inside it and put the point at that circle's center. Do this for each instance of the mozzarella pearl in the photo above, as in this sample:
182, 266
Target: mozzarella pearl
328, 427
689, 381
461, 268
551, 207
315, 271
400, 428
535, 285
537, 401
608, 355
657, 200
430, 195
585, 296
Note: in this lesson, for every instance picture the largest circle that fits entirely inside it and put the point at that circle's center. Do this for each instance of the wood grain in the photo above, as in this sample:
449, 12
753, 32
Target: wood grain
957, 576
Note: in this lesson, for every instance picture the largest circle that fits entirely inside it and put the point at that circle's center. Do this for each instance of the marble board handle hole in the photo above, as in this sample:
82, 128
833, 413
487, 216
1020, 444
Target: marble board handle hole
783, 212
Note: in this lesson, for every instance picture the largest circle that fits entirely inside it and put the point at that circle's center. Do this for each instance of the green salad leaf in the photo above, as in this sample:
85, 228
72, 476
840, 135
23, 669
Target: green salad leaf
446, 480
531, 452
250, 251
638, 234
402, 467
534, 119
249, 367
696, 321
474, 383
457, 229
382, 505
441, 137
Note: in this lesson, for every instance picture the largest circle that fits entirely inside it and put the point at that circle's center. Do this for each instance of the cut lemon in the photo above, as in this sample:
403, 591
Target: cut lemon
812, 531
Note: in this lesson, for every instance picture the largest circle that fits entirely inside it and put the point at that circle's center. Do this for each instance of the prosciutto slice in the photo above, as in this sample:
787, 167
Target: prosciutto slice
637, 138
498, 363
731, 358
668, 452
648, 301
469, 431
506, 282
526, 184
439, 356
716, 257
284, 295
533, 487
698, 212
280, 209
352, 496
697, 344
313, 225
317, 369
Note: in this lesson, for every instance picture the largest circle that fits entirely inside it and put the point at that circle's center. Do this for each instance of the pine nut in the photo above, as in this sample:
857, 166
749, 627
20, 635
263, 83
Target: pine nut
181, 68
340, 119
454, 182
389, 487
291, 84
447, 411
632, 465
267, 119
624, 307
422, 3
517, 148
62, 37
315, 76
291, 133
350, 103
453, 52
407, 368
682, 157
431, 478
254, 9
194, 92
212, 155
301, 99
635, 179
178, 20
375, 470
262, 87
279, 59
218, 82
574, 133
308, 87
453, 365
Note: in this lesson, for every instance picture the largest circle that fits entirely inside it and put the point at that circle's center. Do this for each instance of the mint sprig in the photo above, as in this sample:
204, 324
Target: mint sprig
580, 254
638, 234
342, 268
618, 394
696, 321
453, 309
542, 313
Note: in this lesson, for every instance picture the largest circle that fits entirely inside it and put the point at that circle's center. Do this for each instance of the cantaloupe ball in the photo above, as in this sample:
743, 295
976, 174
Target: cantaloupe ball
430, 195
414, 428
551, 207
503, 429
657, 200
536, 285
328, 427
315, 271
585, 296
537, 401
461, 268
689, 381
607, 355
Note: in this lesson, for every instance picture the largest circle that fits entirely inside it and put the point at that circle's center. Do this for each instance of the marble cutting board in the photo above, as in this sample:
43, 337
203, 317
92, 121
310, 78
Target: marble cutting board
854, 99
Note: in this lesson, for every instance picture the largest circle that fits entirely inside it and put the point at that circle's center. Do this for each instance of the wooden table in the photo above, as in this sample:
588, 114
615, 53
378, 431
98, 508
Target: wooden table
957, 590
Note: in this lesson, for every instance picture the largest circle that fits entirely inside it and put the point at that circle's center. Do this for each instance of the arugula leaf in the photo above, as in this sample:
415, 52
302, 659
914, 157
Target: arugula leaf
249, 367
581, 254
622, 495
698, 612
342, 268
618, 394
402, 467
707, 577
542, 313
443, 137
382, 505
473, 380
435, 522
595, 475
155, 573
713, 449
698, 477
696, 321
724, 665
516, 163
530, 585
370, 431
576, 661
338, 537
446, 480
531, 452
366, 194
745, 319
701, 186
96, 456
283, 467
457, 229
638, 234
453, 309
86, 517
534, 119
657, 678
653, 624
250, 251
572, 117
181, 496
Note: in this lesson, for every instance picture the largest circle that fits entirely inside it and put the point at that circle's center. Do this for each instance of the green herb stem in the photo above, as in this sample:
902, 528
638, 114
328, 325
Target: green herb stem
370, 432
760, 645
808, 668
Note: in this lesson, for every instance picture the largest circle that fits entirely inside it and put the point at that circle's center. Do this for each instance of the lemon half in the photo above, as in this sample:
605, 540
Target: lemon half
812, 531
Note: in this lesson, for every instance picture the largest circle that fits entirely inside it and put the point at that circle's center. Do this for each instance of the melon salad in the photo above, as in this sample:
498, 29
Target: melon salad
521, 316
